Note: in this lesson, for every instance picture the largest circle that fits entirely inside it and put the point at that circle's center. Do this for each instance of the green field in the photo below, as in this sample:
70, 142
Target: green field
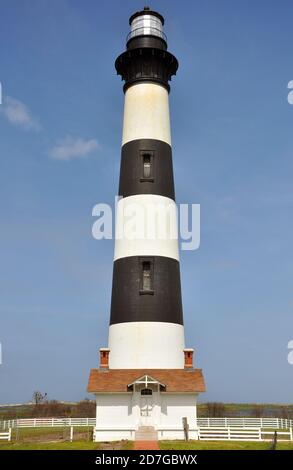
76, 445
221, 445
128, 445
51, 433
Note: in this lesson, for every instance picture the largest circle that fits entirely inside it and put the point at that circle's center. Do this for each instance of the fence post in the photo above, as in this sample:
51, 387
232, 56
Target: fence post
9, 437
71, 433
291, 434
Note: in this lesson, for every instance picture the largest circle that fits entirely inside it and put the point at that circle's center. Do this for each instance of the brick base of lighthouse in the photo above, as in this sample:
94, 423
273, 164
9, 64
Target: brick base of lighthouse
129, 400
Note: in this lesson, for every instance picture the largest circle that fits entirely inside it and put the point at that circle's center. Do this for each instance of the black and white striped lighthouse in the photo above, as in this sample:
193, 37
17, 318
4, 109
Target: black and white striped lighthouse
146, 382
146, 326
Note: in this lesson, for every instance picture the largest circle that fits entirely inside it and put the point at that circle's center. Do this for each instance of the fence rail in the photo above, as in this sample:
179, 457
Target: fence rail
6, 436
241, 434
203, 423
273, 423
47, 422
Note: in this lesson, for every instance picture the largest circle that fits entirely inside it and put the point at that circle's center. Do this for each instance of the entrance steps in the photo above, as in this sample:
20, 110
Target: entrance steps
146, 433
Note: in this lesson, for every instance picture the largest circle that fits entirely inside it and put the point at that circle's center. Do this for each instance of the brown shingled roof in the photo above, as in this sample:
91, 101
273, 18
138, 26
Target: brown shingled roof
117, 380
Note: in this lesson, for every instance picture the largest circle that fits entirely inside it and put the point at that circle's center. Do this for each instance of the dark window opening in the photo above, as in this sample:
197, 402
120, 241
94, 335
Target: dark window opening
146, 276
146, 391
147, 166
146, 283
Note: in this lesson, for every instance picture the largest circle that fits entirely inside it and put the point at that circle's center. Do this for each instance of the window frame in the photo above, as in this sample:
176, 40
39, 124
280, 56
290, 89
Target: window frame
146, 394
143, 154
149, 260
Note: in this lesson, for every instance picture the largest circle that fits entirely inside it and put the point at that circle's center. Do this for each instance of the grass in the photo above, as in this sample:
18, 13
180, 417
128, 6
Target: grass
221, 445
47, 435
57, 438
128, 445
76, 445
49, 432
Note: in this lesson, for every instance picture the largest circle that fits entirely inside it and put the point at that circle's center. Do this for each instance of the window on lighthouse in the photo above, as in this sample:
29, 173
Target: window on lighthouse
146, 166
146, 276
147, 170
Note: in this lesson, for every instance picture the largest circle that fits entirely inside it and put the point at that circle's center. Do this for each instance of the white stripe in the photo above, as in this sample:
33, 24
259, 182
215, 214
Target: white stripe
146, 224
152, 345
146, 113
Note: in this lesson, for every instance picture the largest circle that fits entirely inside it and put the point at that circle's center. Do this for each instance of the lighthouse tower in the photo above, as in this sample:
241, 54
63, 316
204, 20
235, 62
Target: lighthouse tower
146, 327
146, 367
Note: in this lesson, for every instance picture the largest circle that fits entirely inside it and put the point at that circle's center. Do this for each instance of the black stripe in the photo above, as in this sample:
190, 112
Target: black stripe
131, 304
131, 172
146, 63
146, 41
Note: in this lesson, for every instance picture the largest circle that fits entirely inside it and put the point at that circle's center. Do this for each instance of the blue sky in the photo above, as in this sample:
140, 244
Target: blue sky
60, 137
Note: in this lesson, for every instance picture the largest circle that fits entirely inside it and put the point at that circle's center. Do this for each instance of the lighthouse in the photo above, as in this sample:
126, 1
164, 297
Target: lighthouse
146, 381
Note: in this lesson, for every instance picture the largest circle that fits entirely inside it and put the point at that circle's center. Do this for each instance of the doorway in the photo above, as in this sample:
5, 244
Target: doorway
146, 407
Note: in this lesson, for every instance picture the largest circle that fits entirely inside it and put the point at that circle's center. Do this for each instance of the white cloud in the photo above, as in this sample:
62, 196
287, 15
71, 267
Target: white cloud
18, 114
71, 148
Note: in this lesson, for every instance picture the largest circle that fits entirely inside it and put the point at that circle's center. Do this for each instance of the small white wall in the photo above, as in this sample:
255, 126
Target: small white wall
115, 417
114, 409
174, 407
118, 415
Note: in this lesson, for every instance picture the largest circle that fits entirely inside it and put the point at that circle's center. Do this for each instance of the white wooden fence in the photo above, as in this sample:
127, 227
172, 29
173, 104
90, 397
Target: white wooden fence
241, 434
273, 423
6, 436
236, 429
47, 422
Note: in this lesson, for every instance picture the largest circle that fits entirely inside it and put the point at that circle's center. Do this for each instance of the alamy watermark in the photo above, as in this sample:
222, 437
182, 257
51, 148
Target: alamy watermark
159, 219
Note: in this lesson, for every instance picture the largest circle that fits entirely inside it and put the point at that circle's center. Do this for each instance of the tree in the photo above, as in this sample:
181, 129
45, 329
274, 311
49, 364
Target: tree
215, 410
39, 397
258, 411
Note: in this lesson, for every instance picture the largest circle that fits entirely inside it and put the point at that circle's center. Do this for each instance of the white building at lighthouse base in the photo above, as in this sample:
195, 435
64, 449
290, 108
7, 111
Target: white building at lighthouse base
129, 401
